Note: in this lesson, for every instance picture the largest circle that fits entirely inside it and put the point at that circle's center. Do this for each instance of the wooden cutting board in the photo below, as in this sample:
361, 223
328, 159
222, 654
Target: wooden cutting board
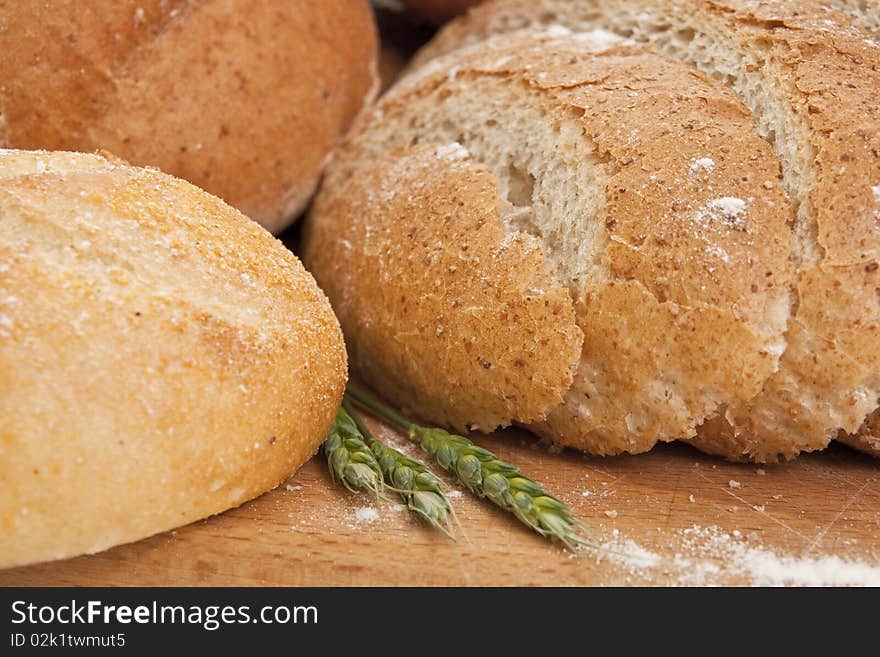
673, 516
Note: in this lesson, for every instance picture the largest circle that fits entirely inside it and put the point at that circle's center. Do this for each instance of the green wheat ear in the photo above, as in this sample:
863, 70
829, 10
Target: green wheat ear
359, 461
420, 489
350, 460
485, 475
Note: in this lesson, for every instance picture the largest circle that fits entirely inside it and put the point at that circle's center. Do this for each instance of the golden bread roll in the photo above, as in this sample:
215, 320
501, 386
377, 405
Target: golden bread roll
162, 358
243, 98
812, 81
560, 231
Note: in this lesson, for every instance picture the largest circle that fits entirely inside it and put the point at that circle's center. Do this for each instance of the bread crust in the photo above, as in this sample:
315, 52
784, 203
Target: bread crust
444, 312
675, 318
162, 358
867, 439
243, 98
864, 13
827, 74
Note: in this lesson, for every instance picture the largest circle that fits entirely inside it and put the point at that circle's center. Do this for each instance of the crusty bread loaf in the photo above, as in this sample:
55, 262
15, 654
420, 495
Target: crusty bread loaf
812, 82
440, 10
244, 98
162, 358
594, 244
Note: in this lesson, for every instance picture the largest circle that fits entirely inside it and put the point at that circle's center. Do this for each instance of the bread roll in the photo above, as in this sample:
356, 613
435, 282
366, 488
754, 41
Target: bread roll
439, 11
243, 98
591, 243
812, 82
162, 358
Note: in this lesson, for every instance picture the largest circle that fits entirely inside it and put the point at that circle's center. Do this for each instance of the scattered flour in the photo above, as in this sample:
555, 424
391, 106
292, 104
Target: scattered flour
366, 514
717, 252
733, 483
599, 40
728, 209
707, 556
706, 164
452, 151
630, 555
557, 31
769, 569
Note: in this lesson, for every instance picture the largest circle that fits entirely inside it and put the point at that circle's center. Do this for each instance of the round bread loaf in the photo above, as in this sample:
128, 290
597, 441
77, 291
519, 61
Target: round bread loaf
162, 358
243, 98
811, 80
439, 11
558, 231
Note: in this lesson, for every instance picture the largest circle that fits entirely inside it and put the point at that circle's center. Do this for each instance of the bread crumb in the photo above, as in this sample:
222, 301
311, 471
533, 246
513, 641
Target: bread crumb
290, 488
453, 494
760, 471
692, 499
611, 514
759, 507
586, 493
733, 483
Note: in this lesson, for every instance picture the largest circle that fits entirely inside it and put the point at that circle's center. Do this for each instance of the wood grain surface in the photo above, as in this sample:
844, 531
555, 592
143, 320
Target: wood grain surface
673, 516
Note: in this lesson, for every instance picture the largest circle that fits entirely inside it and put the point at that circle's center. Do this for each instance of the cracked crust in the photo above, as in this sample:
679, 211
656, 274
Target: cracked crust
162, 358
811, 80
245, 99
684, 296
444, 312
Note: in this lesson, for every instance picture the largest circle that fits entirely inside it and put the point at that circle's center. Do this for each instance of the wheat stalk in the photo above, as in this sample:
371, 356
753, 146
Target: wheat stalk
487, 476
350, 460
420, 489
